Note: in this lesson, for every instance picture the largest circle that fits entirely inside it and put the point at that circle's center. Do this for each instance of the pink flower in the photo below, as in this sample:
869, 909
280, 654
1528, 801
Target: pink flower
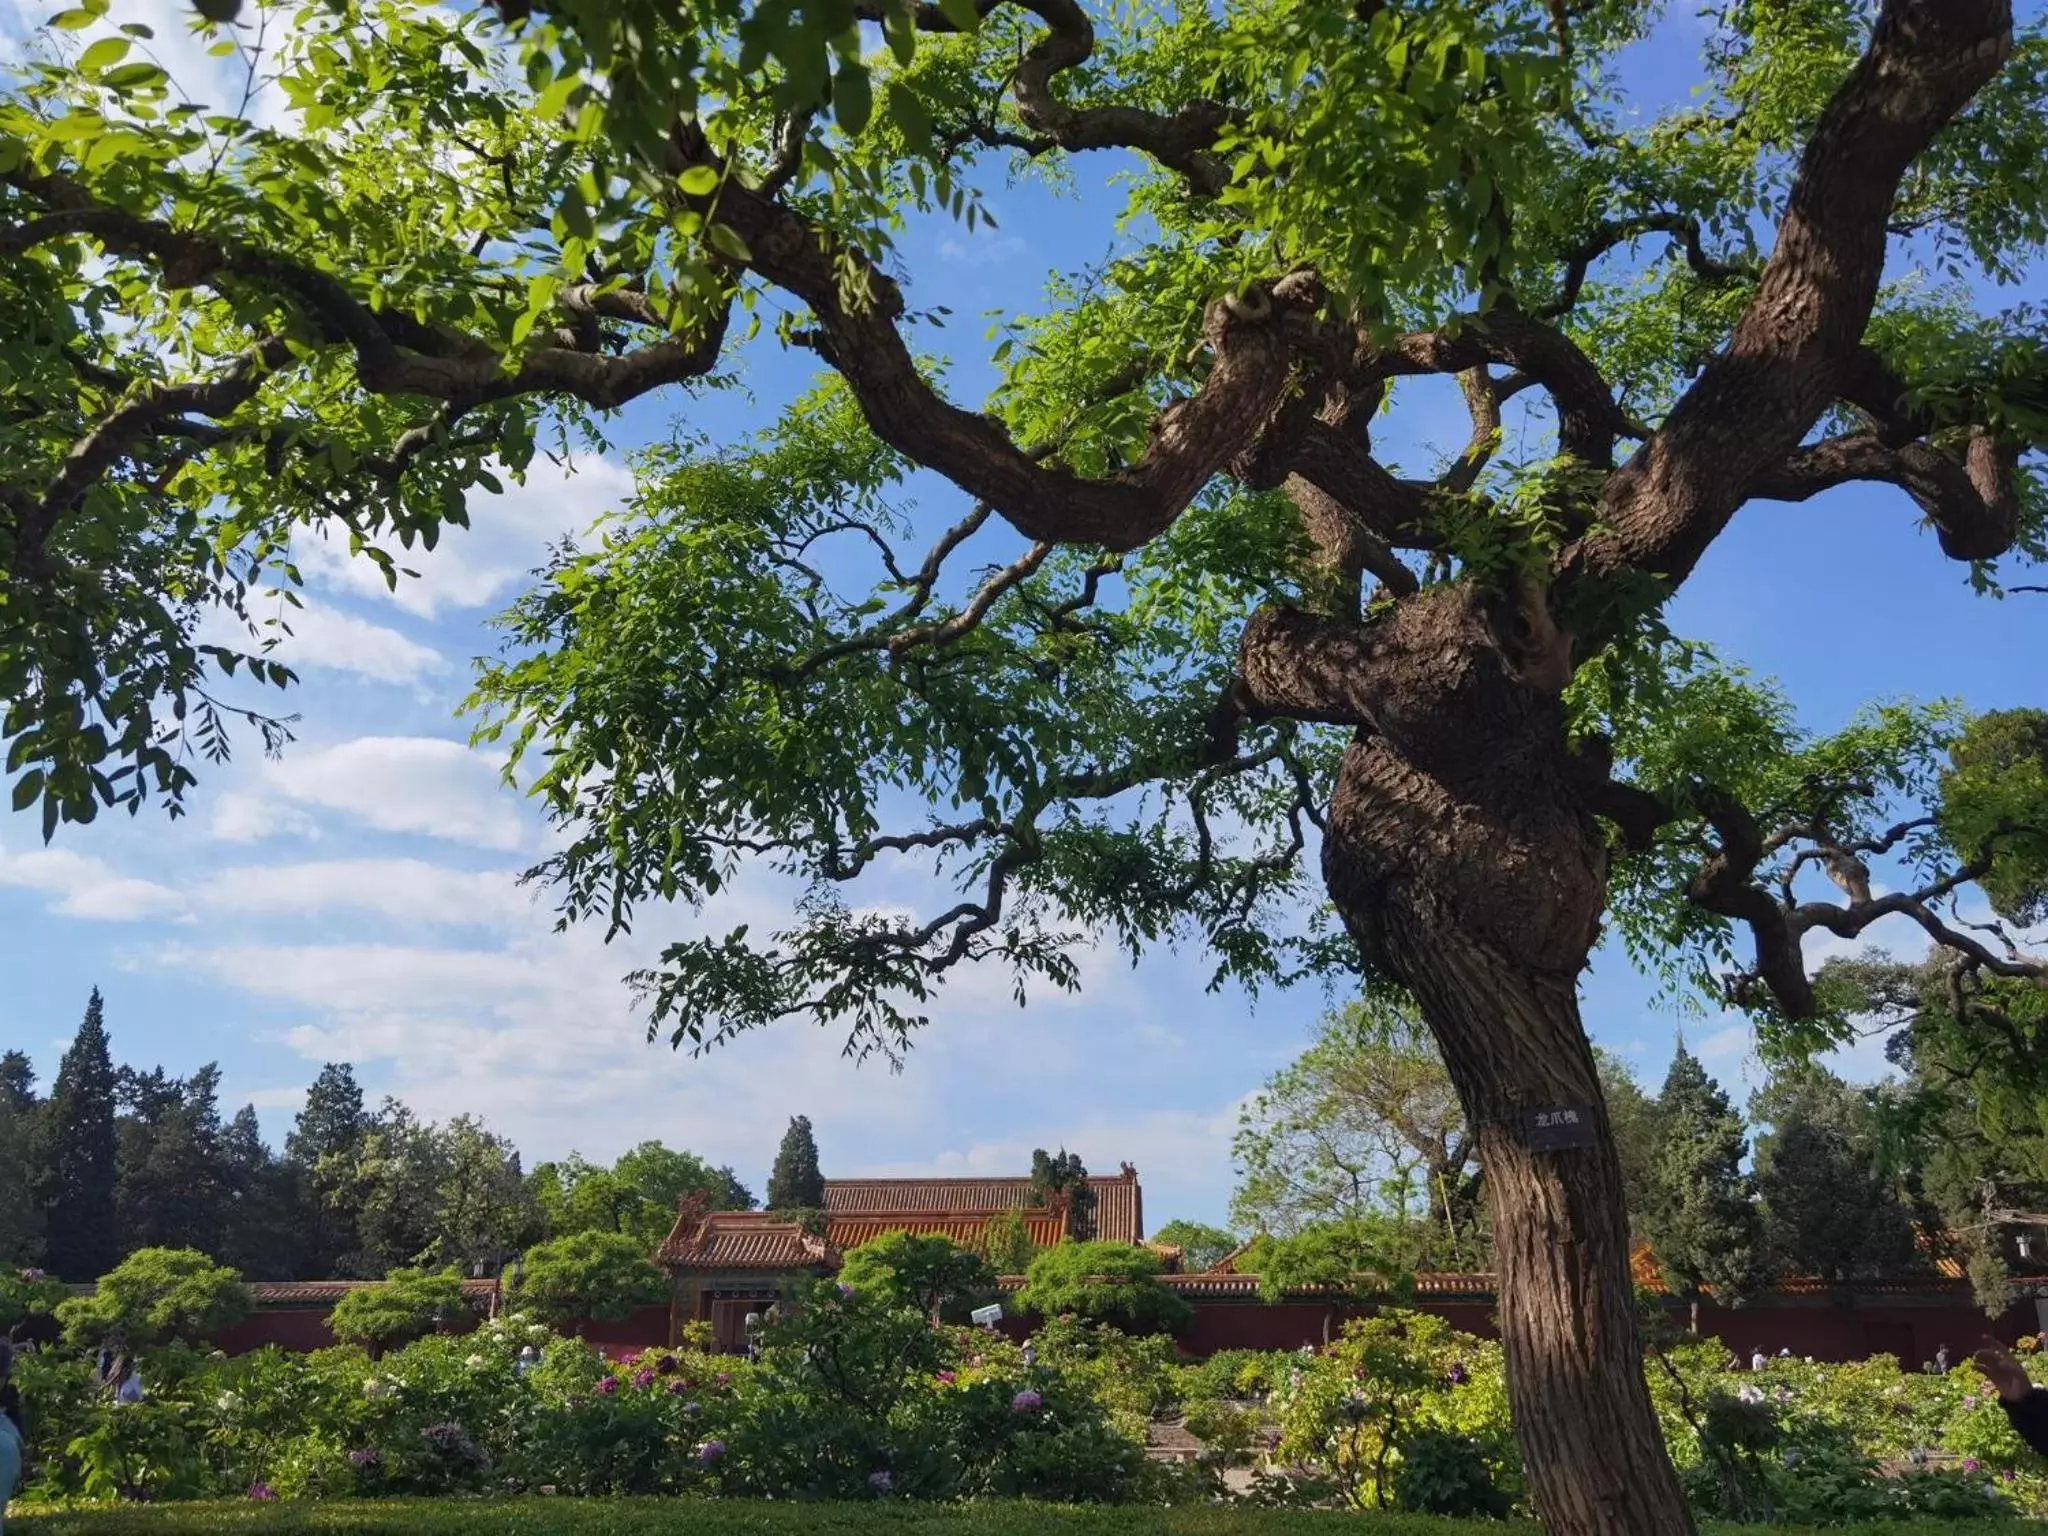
947, 1378
710, 1451
722, 1379
643, 1378
879, 1481
263, 1493
608, 1385
1026, 1401
1972, 1464
1969, 1403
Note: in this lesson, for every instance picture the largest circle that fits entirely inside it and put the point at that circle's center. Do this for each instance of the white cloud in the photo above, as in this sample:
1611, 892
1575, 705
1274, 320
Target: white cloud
87, 887
238, 817
406, 784
478, 566
327, 639
410, 891
983, 248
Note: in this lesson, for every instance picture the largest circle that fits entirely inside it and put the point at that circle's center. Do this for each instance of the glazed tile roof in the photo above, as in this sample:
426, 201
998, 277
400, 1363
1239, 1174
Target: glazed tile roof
315, 1293
861, 1210
739, 1240
1119, 1202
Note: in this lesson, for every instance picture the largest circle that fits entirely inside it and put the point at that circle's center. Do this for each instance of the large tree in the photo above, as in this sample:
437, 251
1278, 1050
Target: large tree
319, 1147
21, 1149
1701, 1218
482, 224
1365, 1122
1829, 1181
79, 1169
636, 1196
795, 1183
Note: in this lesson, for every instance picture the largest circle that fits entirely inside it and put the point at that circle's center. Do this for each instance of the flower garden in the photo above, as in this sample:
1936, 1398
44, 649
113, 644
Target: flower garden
856, 1402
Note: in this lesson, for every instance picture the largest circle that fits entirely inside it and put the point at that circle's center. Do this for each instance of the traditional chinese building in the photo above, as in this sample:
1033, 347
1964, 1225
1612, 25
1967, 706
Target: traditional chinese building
725, 1264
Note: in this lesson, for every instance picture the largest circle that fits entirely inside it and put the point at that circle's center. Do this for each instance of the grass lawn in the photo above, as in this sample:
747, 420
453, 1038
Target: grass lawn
735, 1517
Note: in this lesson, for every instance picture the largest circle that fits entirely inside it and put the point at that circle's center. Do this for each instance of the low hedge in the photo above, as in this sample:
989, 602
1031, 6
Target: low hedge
733, 1517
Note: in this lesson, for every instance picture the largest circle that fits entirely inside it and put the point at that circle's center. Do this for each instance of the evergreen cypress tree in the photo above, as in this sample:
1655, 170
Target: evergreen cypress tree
1702, 1220
82, 1240
331, 1126
1831, 1209
795, 1183
21, 1147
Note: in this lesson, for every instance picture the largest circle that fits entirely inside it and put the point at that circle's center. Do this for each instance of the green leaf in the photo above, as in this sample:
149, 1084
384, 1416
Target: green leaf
698, 181
962, 13
73, 20
852, 98
135, 76
900, 31
104, 54
26, 788
727, 240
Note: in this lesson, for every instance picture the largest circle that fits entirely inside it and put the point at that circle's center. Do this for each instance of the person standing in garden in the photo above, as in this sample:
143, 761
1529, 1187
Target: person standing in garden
2024, 1403
13, 1441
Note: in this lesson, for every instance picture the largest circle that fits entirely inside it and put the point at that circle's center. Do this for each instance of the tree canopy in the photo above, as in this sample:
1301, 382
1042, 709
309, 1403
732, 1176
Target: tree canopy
1364, 1123
1187, 624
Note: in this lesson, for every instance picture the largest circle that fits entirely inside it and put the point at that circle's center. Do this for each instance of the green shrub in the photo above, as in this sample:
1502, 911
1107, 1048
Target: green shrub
157, 1294
1115, 1283
409, 1304
28, 1295
931, 1275
588, 1274
1447, 1474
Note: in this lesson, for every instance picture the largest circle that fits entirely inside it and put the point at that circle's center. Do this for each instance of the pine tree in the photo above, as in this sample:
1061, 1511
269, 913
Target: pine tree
172, 1190
82, 1241
1065, 1174
21, 1121
1702, 1220
266, 1224
795, 1183
1831, 1208
328, 1131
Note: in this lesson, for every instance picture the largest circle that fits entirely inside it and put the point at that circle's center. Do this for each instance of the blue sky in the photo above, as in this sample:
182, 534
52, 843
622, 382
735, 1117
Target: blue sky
356, 900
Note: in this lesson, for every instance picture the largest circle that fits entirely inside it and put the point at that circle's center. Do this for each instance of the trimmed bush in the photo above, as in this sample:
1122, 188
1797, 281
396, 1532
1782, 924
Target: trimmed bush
588, 1274
1115, 1283
155, 1295
408, 1305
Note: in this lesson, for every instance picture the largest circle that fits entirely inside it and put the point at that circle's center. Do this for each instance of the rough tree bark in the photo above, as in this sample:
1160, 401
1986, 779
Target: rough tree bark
1466, 864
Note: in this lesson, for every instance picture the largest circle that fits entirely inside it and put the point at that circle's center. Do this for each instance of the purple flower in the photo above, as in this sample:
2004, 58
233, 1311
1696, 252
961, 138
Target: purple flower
2008, 1476
1026, 1401
1972, 1464
666, 1365
608, 1385
710, 1451
879, 1481
262, 1492
643, 1378
32, 1276
678, 1387
1459, 1376
947, 1378
845, 1290
365, 1456
1970, 1403
722, 1379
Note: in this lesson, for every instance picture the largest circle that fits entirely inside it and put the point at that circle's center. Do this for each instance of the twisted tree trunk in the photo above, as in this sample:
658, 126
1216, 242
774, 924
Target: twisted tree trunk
1464, 861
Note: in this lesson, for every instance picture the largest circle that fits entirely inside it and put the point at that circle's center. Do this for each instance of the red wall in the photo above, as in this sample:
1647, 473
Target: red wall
303, 1328
645, 1329
1822, 1328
